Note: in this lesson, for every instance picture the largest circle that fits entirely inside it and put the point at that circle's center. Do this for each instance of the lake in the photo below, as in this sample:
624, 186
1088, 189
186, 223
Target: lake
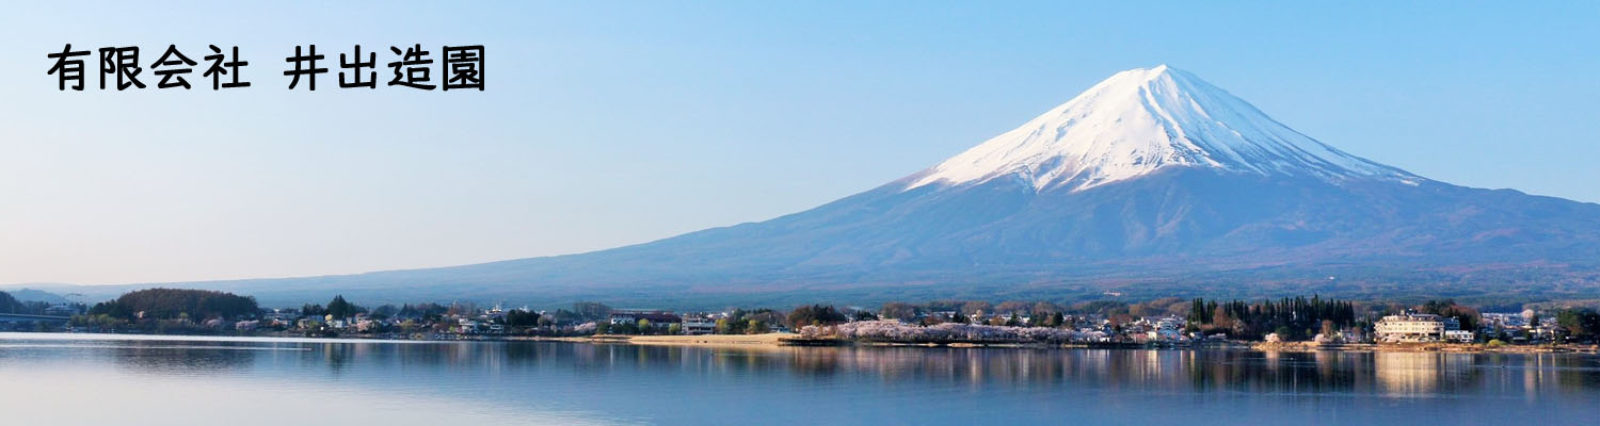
60, 379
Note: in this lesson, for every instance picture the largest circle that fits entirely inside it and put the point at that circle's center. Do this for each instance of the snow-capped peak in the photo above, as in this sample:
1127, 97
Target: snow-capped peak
1142, 120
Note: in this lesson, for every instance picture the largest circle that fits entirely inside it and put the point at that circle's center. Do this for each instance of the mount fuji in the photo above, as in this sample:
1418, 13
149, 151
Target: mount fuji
1142, 121
1153, 182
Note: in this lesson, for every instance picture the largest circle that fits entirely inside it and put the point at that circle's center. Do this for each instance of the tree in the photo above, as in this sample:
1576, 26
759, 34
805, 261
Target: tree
1581, 323
385, 311
1286, 333
724, 326
341, 309
1466, 316
675, 328
1199, 313
815, 315
461, 308
1301, 316
1012, 307
9, 305
522, 318
765, 315
976, 307
900, 311
644, 326
427, 311
165, 303
563, 316
757, 327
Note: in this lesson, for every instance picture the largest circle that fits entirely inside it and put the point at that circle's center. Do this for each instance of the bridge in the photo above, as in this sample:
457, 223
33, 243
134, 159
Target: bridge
15, 318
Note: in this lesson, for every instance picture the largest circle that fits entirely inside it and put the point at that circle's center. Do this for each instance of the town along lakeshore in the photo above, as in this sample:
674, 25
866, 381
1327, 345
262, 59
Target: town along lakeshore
1300, 323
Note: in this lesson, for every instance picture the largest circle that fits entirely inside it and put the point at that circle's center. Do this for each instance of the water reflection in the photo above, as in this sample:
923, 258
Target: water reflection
180, 360
1396, 374
627, 383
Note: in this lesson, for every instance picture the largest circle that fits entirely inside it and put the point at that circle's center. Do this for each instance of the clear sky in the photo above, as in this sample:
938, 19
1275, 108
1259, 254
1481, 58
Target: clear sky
617, 123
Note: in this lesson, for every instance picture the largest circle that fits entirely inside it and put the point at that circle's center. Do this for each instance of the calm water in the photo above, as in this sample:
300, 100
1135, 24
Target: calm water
71, 379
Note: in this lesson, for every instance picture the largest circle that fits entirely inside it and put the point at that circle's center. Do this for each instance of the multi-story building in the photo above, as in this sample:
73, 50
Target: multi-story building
1460, 336
1409, 328
658, 319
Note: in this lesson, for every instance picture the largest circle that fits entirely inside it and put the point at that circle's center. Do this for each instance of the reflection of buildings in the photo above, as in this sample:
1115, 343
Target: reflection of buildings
1407, 373
1410, 328
1416, 373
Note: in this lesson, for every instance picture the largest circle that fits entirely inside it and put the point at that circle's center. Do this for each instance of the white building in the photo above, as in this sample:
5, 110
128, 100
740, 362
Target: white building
1410, 328
1459, 336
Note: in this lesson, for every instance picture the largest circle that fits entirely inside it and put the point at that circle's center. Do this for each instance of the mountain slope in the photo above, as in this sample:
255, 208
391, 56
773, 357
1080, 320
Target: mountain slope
1151, 183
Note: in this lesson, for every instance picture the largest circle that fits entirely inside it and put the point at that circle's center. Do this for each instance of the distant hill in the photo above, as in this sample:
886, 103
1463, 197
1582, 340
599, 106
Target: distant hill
9, 304
31, 295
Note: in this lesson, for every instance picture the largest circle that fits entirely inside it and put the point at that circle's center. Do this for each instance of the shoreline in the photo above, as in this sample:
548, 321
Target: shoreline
1425, 347
777, 340
794, 340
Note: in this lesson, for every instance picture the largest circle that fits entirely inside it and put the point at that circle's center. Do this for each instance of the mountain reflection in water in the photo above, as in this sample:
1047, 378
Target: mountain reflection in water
565, 383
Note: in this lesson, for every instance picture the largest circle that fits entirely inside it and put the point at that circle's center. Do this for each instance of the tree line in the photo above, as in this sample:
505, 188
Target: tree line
1295, 318
168, 303
10, 305
1581, 324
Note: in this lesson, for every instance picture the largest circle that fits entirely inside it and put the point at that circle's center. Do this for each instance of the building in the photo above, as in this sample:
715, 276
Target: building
695, 324
1451, 323
285, 315
1410, 328
658, 319
1459, 336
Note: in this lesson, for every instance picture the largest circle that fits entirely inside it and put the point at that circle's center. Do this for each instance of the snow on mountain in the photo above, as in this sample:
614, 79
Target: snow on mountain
1143, 120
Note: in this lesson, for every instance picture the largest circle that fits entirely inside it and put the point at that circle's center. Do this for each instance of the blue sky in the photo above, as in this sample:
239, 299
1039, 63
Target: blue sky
618, 123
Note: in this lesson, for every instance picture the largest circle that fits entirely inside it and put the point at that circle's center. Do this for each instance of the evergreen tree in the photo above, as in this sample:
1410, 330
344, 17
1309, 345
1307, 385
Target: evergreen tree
339, 308
958, 318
